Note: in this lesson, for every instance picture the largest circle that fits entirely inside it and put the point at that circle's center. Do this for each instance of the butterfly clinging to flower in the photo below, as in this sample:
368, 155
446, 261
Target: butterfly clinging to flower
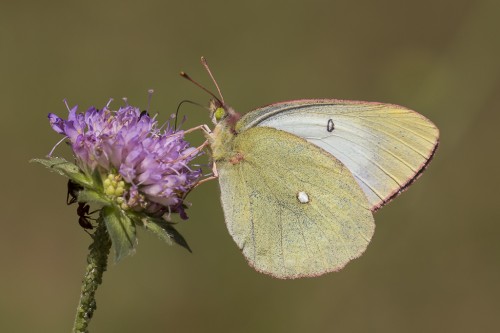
300, 179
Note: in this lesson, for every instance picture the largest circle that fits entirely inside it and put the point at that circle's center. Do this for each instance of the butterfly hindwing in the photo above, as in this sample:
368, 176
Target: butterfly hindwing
260, 181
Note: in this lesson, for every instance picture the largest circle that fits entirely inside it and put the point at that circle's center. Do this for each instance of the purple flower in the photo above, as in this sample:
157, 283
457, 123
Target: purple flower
143, 168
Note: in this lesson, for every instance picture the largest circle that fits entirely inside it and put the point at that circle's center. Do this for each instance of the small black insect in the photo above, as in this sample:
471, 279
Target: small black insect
73, 189
84, 215
83, 208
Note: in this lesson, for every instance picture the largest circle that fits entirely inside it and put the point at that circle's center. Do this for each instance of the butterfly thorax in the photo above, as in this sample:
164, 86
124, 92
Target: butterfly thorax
221, 142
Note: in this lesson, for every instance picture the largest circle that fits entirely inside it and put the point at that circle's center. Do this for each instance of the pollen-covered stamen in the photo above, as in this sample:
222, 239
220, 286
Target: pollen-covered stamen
57, 144
114, 186
109, 102
150, 96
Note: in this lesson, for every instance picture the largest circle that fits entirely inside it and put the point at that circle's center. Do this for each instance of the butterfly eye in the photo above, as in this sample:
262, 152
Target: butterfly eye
219, 114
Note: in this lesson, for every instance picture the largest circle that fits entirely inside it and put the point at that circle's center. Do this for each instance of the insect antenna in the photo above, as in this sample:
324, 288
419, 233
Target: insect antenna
187, 77
216, 102
179, 107
205, 64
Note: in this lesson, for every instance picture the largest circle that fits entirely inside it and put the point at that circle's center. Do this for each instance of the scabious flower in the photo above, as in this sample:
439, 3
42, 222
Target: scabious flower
138, 172
143, 167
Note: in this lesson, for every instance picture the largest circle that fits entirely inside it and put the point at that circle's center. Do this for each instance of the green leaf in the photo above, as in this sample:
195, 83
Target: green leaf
65, 168
92, 197
96, 179
165, 231
121, 230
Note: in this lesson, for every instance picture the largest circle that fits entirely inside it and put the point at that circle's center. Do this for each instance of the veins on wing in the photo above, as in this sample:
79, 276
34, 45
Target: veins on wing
280, 224
252, 225
263, 177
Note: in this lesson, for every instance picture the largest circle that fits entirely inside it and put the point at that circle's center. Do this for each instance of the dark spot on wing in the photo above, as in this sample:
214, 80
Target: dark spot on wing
330, 126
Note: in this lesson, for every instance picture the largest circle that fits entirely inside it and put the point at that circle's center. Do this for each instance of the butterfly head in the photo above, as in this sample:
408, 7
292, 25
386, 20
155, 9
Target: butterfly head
222, 113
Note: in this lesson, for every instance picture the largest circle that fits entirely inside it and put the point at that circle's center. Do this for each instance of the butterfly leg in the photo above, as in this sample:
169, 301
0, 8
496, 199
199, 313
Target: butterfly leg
198, 184
214, 170
204, 181
193, 152
204, 128
208, 132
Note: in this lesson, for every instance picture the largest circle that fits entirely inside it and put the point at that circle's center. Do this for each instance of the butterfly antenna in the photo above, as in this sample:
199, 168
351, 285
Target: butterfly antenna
205, 64
187, 77
179, 107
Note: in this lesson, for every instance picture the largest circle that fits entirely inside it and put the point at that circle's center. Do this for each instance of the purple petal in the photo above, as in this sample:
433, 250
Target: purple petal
56, 123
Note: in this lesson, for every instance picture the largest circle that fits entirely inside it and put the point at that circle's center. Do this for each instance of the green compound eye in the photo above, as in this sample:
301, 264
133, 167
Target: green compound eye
219, 114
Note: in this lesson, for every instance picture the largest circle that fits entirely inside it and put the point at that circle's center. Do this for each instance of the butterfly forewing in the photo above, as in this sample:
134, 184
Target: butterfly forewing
292, 208
385, 146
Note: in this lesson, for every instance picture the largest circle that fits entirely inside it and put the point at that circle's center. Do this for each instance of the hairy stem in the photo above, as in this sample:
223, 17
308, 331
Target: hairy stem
96, 265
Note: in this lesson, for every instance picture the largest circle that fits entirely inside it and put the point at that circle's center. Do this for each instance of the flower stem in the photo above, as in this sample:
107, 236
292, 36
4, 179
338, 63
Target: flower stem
96, 265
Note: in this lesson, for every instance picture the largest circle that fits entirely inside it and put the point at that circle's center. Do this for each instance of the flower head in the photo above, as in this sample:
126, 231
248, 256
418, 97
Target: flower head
143, 167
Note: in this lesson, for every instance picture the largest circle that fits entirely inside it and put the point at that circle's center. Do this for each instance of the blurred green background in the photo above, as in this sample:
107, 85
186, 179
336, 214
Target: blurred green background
433, 264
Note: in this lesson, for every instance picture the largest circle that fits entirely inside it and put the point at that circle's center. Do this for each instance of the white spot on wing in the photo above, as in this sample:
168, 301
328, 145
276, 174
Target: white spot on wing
302, 197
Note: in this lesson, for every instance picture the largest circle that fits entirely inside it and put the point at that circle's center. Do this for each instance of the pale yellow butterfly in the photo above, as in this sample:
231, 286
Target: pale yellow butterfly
300, 179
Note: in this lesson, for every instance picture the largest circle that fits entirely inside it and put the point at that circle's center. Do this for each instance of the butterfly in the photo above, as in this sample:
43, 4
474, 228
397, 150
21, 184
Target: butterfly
300, 179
